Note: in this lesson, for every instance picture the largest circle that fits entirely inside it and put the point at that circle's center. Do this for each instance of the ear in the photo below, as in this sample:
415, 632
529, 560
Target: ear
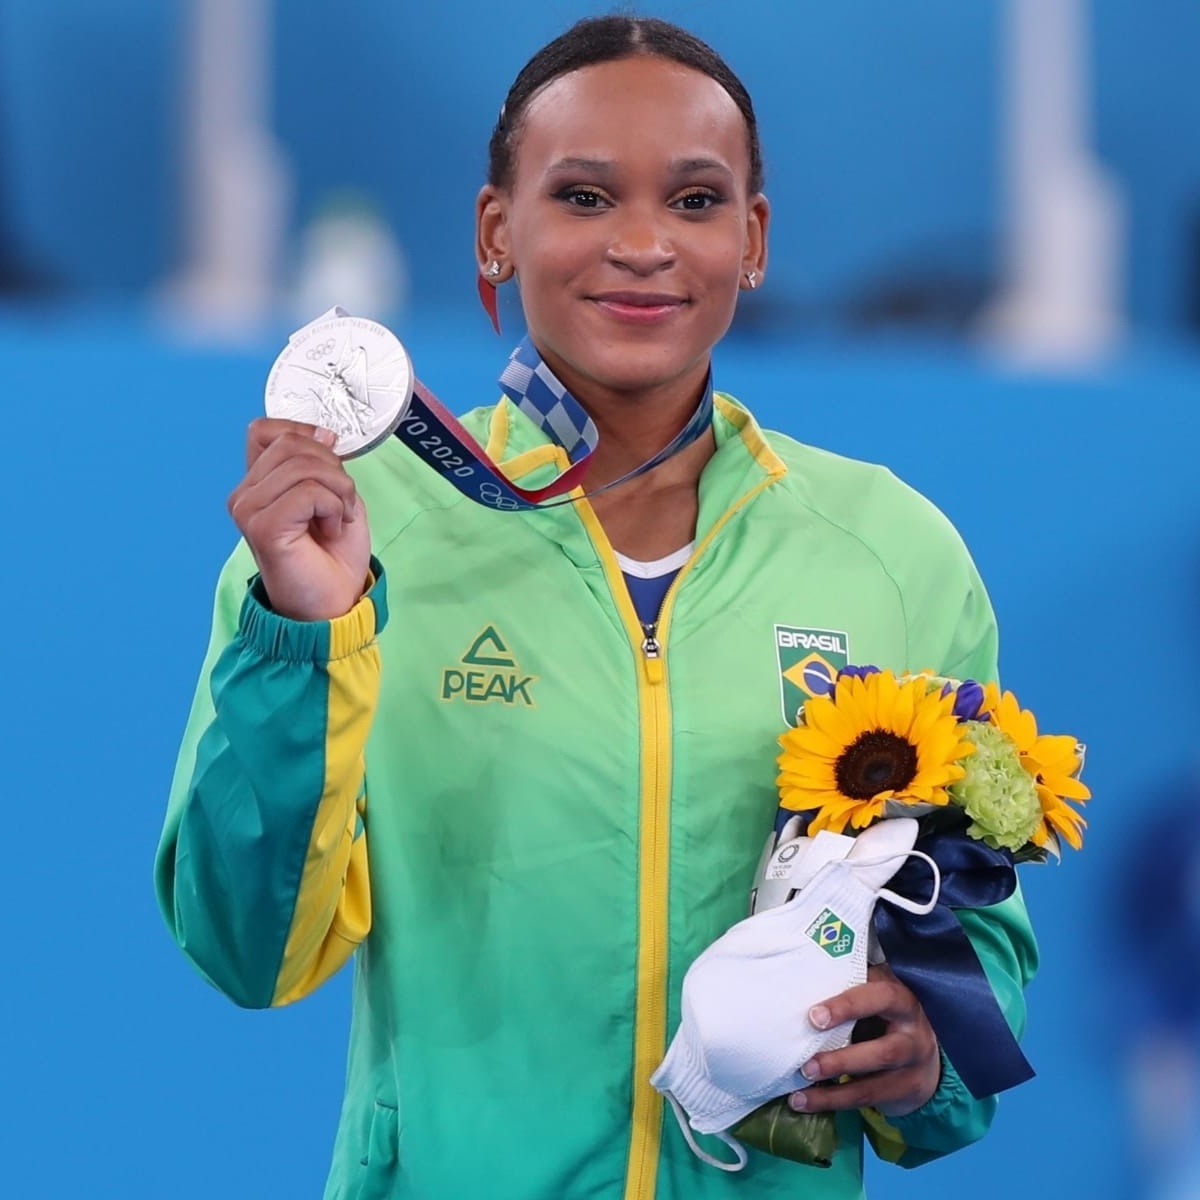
754, 256
491, 232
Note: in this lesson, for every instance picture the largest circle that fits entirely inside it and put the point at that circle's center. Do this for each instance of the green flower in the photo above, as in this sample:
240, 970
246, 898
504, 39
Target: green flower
996, 792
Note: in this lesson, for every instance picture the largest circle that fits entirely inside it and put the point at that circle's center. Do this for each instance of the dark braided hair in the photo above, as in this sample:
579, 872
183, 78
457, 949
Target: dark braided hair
608, 39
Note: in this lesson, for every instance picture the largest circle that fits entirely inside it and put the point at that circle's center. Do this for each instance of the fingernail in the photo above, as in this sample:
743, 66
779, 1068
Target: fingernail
798, 1101
811, 1070
325, 436
819, 1017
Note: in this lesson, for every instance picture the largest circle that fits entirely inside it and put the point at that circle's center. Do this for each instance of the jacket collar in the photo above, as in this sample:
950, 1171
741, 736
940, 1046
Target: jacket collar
743, 461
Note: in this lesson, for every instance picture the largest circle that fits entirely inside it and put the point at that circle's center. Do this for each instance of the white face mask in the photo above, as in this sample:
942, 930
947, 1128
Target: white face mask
744, 1030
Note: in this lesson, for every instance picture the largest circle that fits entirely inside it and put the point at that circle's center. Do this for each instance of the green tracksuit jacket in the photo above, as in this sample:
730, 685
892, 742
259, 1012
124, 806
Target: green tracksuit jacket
528, 824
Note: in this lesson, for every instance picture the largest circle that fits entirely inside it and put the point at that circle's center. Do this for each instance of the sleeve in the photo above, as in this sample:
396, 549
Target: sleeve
952, 1117
952, 628
261, 871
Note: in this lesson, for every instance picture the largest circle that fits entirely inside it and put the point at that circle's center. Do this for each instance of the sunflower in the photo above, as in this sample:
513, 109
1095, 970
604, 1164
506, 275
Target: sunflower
1054, 761
870, 743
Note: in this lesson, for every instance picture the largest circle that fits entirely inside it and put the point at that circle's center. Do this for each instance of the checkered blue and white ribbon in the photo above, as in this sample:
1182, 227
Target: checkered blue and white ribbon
435, 435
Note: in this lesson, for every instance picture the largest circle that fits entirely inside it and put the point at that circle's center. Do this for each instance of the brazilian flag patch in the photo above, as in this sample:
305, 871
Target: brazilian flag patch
809, 661
832, 934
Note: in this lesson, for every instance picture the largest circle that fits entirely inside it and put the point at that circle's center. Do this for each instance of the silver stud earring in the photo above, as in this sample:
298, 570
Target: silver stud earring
493, 270
752, 279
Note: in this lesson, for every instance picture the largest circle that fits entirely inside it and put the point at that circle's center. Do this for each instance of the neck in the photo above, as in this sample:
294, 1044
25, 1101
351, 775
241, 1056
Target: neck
655, 513
635, 424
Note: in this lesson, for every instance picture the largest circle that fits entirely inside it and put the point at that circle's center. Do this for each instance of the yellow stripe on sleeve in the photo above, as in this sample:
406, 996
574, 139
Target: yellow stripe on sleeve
333, 904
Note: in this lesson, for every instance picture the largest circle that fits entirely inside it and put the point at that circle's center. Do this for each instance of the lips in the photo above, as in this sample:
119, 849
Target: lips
639, 307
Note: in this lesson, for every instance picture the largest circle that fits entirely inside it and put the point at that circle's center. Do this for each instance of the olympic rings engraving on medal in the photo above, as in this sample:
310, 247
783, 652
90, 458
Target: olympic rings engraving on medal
324, 350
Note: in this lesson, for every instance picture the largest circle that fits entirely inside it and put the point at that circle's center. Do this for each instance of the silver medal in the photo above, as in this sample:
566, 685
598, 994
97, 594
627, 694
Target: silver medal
346, 374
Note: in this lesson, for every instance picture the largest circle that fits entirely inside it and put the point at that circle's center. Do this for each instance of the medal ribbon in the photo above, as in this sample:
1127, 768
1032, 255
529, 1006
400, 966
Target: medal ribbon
437, 437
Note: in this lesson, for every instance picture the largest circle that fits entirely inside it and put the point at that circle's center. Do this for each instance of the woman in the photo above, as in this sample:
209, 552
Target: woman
536, 794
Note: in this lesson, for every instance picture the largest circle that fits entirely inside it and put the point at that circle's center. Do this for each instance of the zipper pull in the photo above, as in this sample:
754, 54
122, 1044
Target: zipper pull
651, 647
652, 653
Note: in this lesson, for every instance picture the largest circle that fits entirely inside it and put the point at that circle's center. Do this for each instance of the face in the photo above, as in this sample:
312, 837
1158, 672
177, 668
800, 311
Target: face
628, 223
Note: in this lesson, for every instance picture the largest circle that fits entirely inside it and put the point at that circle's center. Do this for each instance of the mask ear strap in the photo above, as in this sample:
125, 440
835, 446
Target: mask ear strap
917, 907
703, 1155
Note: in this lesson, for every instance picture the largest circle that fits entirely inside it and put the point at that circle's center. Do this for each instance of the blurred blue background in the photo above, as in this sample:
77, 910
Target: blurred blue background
1071, 474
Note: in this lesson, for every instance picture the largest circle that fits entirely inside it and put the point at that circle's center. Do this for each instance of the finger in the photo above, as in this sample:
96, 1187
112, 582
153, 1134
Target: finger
265, 430
871, 1091
891, 1052
330, 513
294, 512
328, 520
296, 456
292, 448
885, 998
254, 496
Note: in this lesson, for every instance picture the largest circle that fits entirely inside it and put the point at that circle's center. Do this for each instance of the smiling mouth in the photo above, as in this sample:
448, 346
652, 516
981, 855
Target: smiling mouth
639, 307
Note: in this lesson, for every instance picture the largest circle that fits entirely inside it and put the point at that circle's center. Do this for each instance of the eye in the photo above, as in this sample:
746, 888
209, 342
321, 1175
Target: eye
698, 200
582, 197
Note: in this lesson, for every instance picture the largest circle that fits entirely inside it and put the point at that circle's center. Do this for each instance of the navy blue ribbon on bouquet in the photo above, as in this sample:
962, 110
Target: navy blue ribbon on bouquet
436, 436
934, 958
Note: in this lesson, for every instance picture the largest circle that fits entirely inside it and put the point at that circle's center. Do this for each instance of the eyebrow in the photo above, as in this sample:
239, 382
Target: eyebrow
597, 166
689, 166
601, 166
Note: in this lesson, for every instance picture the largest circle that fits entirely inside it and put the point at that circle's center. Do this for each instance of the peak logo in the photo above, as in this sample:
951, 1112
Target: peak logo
488, 672
809, 660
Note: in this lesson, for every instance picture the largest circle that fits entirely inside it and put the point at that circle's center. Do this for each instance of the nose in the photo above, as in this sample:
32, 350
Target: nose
640, 243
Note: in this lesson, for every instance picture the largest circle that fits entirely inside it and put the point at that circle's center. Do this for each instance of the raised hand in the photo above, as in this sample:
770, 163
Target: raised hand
303, 520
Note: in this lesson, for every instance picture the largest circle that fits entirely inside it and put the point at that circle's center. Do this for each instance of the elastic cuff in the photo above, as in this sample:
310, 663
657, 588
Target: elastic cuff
282, 639
949, 1119
951, 1091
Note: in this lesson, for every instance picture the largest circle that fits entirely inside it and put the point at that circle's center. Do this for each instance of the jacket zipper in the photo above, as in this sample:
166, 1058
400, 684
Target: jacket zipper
650, 1021
649, 643
651, 1005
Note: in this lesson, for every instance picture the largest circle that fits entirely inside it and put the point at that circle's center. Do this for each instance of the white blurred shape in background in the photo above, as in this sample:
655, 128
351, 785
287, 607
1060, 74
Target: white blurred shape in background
1061, 301
349, 256
237, 186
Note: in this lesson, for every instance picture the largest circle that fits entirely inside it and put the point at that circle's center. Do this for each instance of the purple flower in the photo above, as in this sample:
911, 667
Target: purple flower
968, 700
858, 672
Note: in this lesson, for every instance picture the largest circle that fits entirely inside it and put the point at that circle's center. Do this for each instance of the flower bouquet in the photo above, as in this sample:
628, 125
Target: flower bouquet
988, 791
